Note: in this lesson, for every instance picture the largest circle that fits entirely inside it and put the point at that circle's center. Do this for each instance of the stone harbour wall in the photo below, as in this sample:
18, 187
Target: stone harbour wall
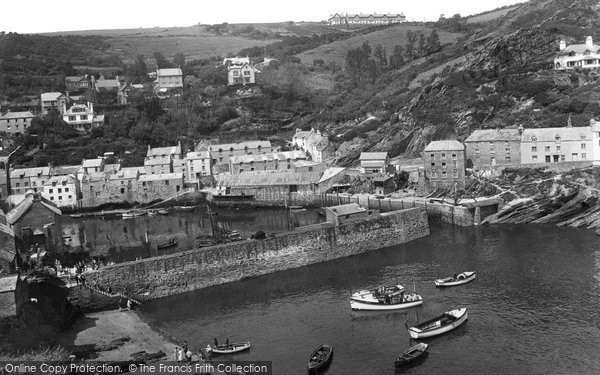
199, 268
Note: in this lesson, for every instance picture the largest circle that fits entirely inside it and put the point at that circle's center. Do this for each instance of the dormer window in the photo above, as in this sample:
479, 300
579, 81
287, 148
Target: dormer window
557, 137
534, 139
583, 137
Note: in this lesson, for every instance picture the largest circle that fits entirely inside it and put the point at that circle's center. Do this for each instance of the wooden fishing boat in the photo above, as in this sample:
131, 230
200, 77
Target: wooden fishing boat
132, 214
231, 348
185, 208
461, 278
164, 245
320, 358
76, 216
441, 324
412, 355
163, 212
385, 298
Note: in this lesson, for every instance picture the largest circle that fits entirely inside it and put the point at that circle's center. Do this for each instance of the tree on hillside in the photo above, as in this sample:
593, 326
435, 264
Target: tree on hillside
179, 60
397, 58
433, 42
138, 72
422, 47
380, 54
161, 60
356, 64
411, 39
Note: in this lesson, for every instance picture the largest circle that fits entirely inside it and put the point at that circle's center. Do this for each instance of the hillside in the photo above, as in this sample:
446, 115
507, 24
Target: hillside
199, 41
500, 76
388, 38
491, 15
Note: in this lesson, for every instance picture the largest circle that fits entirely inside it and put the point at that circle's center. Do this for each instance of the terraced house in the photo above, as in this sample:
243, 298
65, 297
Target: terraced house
491, 147
373, 18
265, 162
220, 153
15, 122
24, 179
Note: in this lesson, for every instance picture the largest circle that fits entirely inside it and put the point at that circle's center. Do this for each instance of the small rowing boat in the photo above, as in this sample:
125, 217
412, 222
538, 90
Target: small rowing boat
385, 298
412, 355
461, 278
164, 245
231, 348
441, 324
320, 358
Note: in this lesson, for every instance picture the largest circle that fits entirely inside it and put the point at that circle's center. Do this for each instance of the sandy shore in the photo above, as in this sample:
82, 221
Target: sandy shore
102, 328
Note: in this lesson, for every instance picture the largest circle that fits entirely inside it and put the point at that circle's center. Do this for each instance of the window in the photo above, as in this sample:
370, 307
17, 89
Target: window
241, 170
583, 138
476, 150
26, 183
51, 198
122, 190
547, 148
18, 184
506, 143
433, 175
143, 183
583, 145
534, 157
70, 197
59, 190
583, 155
547, 158
534, 139
455, 173
51, 190
454, 157
491, 143
444, 164
310, 169
432, 164
562, 158
60, 197
444, 174
167, 183
443, 156
492, 150
557, 148
66, 190
507, 159
533, 149
557, 137
507, 150
97, 193
433, 156
72, 118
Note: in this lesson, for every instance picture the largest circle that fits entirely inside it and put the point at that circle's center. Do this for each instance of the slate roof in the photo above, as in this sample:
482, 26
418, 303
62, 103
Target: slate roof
251, 179
161, 151
446, 145
491, 135
168, 72
65, 170
158, 161
373, 155
239, 146
92, 163
330, 173
51, 96
21, 209
161, 177
550, 134
9, 115
29, 172
60, 180
126, 174
281, 156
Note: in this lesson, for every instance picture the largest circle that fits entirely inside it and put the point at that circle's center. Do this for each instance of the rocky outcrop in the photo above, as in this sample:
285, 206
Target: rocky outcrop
42, 310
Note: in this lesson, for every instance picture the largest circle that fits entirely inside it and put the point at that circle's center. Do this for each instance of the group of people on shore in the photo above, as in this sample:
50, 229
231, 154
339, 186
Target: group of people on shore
184, 353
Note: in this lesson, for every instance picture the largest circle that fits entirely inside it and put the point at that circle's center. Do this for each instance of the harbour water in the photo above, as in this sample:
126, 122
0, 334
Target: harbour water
533, 309
120, 240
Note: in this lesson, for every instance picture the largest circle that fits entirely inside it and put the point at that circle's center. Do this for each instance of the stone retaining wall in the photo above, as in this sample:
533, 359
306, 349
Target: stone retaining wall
199, 268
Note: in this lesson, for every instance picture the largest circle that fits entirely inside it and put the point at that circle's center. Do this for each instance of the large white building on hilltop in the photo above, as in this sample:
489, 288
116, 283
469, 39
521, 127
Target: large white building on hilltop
82, 117
585, 56
373, 18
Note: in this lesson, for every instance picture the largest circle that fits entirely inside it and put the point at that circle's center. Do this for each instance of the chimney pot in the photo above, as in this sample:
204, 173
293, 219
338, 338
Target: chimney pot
589, 42
562, 45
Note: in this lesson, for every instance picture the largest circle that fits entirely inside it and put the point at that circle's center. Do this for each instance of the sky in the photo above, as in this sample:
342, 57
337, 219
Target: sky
36, 16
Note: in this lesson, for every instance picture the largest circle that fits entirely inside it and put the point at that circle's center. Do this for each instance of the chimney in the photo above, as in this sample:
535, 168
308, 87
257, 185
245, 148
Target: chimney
592, 122
569, 124
520, 130
91, 106
589, 43
562, 45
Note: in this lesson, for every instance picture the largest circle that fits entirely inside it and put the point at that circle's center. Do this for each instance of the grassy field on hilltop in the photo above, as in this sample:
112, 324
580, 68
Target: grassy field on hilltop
195, 42
491, 15
388, 38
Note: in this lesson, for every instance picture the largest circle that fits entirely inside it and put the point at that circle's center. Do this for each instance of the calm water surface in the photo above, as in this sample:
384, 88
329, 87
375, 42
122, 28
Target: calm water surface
533, 309
121, 240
